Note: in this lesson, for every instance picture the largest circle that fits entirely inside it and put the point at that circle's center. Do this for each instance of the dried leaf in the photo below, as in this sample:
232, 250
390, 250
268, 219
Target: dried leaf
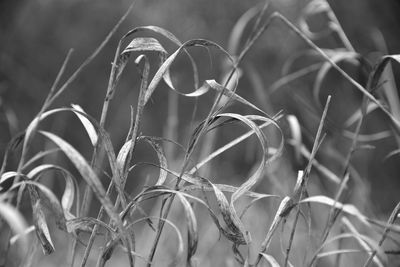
162, 70
42, 230
90, 130
161, 158
138, 45
71, 185
86, 172
47, 199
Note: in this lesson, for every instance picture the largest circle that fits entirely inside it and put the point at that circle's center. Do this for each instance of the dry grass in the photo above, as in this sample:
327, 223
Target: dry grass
183, 215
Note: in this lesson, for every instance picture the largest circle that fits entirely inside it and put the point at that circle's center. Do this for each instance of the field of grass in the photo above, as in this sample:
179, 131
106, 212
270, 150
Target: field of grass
209, 152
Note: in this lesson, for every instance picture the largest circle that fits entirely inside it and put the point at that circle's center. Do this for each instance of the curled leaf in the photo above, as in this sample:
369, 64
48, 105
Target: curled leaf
163, 69
138, 45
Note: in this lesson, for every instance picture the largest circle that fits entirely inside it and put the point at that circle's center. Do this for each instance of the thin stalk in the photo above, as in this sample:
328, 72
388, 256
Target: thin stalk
258, 21
304, 183
391, 220
46, 104
132, 136
97, 152
109, 95
212, 113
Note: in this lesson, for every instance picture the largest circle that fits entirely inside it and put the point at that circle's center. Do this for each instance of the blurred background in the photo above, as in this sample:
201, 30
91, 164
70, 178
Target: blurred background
36, 35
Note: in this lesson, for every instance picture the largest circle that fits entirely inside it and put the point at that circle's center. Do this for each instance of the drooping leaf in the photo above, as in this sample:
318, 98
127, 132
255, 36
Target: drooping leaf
161, 158
162, 70
71, 185
192, 227
171, 37
47, 199
230, 94
86, 172
238, 233
104, 137
42, 229
141, 45
257, 175
339, 251
90, 130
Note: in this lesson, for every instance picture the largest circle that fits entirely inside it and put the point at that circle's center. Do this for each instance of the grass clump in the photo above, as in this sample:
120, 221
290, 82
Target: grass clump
214, 222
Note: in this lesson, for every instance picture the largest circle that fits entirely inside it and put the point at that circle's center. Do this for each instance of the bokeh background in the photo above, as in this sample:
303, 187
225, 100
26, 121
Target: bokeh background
36, 35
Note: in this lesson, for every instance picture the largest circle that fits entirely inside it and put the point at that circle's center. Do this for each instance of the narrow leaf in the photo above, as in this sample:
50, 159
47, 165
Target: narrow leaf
90, 130
347, 208
42, 230
86, 172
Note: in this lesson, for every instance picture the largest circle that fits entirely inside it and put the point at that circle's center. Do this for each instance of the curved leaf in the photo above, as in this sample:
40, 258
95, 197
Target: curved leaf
87, 124
86, 172
168, 62
71, 185
271, 260
47, 198
347, 208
